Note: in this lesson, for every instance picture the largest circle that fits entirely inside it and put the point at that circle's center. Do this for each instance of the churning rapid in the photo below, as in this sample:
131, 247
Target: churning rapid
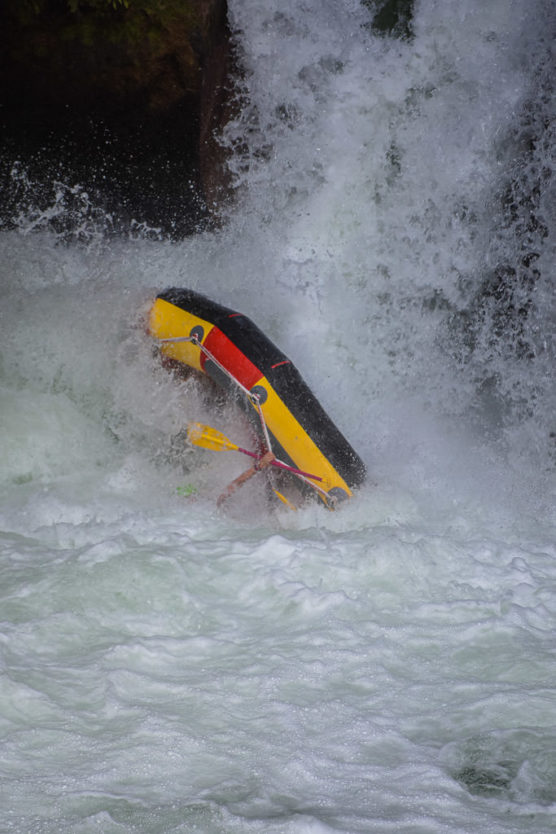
390, 667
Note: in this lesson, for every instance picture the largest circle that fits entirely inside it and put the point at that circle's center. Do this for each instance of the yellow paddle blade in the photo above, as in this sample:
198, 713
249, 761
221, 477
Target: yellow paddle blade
285, 500
208, 438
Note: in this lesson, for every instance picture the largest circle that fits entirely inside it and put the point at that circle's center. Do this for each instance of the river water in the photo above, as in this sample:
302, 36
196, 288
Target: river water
390, 667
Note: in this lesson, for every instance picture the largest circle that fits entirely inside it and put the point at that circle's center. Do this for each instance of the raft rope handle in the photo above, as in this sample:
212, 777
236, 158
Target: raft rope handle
253, 399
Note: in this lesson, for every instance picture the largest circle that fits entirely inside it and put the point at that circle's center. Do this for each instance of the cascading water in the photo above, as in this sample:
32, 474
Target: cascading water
389, 667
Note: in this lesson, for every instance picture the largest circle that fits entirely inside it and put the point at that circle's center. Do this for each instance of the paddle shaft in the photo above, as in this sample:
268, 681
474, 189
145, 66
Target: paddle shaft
209, 438
280, 465
262, 462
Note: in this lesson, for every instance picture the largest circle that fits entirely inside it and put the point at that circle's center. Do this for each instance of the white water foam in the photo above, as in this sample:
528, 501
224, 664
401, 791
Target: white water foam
387, 668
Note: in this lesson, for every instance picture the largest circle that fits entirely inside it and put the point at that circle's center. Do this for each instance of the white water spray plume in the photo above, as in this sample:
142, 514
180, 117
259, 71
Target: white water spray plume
389, 667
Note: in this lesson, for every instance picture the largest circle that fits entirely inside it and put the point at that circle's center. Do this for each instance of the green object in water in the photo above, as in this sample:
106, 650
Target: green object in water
187, 490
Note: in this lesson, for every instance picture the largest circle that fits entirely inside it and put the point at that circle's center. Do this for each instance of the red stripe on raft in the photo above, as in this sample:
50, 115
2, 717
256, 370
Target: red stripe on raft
231, 358
283, 362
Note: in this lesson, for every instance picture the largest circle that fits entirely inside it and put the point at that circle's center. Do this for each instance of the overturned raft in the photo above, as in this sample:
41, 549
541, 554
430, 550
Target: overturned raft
231, 350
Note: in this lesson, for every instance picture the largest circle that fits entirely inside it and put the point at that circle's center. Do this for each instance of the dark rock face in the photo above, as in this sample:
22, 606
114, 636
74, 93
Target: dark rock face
120, 97
391, 17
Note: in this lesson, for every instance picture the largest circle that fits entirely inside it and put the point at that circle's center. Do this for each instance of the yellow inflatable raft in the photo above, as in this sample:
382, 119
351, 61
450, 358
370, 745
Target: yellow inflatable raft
226, 346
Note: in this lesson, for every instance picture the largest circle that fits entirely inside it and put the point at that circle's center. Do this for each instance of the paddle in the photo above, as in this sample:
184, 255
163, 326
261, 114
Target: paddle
208, 438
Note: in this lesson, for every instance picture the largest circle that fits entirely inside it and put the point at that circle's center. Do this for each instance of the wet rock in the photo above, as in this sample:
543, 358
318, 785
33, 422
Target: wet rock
391, 17
120, 97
